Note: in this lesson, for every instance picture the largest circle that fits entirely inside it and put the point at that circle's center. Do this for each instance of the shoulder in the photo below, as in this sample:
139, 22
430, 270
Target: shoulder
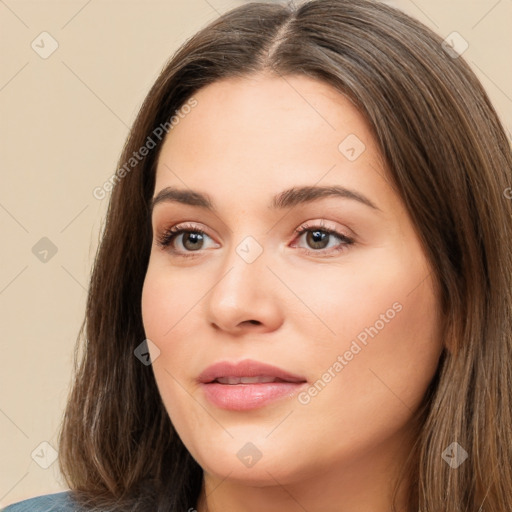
57, 502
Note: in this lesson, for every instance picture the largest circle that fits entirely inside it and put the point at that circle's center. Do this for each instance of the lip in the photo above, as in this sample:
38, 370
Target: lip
241, 397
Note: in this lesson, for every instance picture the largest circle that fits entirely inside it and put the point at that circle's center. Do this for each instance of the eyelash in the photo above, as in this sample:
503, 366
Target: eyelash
166, 238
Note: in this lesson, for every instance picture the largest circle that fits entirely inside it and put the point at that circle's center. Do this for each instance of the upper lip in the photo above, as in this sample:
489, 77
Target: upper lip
246, 368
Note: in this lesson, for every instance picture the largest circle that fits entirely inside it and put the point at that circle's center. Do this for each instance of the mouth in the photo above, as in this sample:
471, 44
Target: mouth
249, 380
248, 384
246, 371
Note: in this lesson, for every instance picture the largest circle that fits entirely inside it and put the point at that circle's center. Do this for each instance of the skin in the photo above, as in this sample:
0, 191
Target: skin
245, 141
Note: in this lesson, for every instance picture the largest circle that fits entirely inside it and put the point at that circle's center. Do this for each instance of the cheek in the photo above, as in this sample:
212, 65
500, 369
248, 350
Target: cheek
167, 303
152, 306
386, 348
374, 293
168, 318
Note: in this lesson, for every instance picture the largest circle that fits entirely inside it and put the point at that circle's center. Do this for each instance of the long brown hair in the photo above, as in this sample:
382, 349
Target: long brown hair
450, 162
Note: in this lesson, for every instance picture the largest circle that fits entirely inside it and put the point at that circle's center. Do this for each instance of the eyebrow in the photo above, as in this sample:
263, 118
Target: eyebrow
286, 199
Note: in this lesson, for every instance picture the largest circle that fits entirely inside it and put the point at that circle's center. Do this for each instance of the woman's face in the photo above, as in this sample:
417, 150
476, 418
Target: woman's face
347, 307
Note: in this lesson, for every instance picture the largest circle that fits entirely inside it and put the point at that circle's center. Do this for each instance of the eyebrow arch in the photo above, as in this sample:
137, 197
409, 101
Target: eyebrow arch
286, 199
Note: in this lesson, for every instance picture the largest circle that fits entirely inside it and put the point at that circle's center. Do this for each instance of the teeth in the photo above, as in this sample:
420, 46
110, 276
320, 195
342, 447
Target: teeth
245, 380
253, 380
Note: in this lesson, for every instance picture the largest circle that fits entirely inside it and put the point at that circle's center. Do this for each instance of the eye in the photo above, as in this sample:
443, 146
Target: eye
319, 236
190, 237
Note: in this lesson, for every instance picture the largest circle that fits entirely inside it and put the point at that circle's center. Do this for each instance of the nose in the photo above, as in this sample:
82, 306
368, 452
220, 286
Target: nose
245, 296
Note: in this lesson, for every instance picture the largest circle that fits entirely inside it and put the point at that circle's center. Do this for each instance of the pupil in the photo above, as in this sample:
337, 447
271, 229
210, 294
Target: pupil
193, 238
318, 237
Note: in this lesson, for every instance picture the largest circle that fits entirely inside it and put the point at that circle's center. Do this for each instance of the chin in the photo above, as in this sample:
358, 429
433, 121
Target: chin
252, 463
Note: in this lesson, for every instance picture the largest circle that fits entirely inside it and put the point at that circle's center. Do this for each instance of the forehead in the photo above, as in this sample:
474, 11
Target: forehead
265, 107
262, 133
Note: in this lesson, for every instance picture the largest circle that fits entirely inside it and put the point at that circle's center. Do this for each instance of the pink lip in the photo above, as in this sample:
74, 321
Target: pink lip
246, 368
240, 397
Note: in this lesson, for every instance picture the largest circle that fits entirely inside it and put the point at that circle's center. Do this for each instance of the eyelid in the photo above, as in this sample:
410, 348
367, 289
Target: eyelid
323, 226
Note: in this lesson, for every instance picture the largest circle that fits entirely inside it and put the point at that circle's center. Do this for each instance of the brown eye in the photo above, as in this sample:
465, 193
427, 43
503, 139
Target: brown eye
189, 237
317, 239
192, 240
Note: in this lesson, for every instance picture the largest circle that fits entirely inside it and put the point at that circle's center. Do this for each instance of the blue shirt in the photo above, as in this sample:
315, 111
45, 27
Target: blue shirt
58, 502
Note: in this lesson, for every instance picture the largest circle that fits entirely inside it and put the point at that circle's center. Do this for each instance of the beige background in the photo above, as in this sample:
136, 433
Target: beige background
64, 121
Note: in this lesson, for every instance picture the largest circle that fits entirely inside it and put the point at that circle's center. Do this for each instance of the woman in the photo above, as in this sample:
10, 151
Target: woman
341, 338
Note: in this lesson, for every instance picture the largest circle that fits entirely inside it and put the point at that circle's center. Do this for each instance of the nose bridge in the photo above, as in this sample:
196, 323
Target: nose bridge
243, 268
242, 292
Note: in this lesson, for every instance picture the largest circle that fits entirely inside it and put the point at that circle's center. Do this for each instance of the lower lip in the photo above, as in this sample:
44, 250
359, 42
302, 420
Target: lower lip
243, 397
